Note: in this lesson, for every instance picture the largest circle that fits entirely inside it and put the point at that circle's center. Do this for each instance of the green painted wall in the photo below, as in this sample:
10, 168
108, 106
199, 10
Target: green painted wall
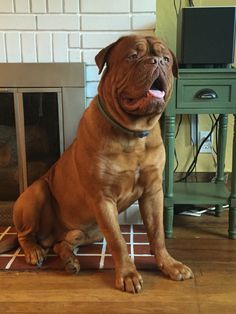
166, 29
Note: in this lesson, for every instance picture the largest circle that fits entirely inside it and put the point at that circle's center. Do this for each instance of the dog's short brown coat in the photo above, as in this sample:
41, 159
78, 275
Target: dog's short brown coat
105, 169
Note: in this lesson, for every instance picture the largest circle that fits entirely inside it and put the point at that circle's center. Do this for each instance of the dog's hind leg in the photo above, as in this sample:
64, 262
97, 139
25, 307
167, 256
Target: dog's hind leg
32, 215
73, 239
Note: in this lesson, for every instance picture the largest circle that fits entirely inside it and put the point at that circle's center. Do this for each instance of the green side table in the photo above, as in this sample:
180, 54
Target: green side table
201, 91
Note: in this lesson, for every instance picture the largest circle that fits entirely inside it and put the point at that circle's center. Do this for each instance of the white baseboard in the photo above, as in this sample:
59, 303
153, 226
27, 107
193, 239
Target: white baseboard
131, 215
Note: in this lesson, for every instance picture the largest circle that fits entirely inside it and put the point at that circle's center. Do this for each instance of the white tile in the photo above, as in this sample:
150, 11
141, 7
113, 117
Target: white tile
74, 40
75, 55
71, 6
6, 6
2, 48
88, 56
144, 5
88, 101
58, 22
99, 39
28, 47
22, 6
17, 22
144, 21
13, 48
105, 22
133, 214
44, 47
38, 6
60, 47
105, 6
55, 6
91, 89
92, 73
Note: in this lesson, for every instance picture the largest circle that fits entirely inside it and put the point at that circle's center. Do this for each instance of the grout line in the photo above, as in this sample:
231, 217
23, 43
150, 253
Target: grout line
5, 232
77, 254
143, 255
13, 258
134, 232
11, 255
132, 242
102, 259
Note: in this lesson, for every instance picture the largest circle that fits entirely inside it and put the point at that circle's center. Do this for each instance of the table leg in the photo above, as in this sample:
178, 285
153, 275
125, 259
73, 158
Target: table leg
220, 176
169, 175
232, 199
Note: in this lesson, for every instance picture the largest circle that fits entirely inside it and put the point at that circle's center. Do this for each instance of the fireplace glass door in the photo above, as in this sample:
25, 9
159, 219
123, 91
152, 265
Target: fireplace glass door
31, 137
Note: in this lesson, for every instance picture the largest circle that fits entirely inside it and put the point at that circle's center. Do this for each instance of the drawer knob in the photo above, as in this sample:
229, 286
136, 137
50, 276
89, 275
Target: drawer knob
206, 93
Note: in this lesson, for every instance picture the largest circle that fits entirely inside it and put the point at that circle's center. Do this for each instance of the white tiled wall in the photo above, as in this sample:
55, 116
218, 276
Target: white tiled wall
69, 30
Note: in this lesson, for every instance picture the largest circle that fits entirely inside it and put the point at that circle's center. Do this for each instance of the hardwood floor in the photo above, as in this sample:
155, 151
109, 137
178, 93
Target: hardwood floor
199, 242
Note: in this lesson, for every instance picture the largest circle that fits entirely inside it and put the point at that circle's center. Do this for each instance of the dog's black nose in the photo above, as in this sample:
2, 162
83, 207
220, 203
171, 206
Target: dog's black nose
153, 60
161, 61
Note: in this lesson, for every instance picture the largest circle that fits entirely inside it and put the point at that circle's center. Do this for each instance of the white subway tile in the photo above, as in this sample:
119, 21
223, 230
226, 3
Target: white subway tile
44, 47
144, 6
55, 6
38, 6
88, 56
99, 39
13, 48
60, 47
105, 6
75, 55
28, 47
22, 6
144, 21
17, 22
2, 48
105, 22
74, 40
58, 22
6, 6
88, 101
92, 73
91, 89
71, 6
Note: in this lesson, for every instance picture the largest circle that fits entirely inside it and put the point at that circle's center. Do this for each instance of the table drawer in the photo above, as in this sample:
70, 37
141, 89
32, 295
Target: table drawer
206, 94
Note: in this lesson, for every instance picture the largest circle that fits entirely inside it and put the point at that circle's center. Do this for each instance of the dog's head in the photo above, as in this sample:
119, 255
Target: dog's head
139, 74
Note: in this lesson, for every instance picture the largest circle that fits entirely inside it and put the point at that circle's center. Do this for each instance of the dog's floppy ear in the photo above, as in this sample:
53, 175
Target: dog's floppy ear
102, 57
175, 68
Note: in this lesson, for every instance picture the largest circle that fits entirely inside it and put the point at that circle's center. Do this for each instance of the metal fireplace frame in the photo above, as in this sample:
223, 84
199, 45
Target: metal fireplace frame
65, 79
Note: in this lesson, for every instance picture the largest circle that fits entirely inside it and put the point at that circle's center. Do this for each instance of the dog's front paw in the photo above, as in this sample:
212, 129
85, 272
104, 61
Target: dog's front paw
174, 269
35, 255
72, 265
129, 280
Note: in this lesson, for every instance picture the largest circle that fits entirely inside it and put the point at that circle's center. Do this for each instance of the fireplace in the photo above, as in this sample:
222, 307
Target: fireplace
40, 107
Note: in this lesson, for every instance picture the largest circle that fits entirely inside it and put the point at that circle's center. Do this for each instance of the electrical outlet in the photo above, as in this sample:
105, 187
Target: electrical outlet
207, 146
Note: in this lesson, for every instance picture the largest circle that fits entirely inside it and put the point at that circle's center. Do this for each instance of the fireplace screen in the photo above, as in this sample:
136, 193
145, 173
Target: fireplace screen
30, 137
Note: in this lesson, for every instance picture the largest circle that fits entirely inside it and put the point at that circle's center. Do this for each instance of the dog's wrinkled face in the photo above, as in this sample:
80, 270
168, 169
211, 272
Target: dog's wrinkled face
139, 73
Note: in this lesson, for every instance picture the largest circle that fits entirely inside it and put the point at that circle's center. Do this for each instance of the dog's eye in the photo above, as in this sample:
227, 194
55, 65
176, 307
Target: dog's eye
166, 59
133, 56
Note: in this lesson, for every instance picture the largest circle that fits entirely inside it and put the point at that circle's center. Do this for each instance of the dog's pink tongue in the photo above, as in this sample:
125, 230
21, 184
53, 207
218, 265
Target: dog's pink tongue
157, 93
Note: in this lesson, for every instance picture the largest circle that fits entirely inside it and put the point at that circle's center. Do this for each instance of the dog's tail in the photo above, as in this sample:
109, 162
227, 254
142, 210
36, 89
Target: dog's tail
9, 244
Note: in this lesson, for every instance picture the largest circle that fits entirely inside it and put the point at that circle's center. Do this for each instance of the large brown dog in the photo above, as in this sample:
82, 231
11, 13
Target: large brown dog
117, 157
